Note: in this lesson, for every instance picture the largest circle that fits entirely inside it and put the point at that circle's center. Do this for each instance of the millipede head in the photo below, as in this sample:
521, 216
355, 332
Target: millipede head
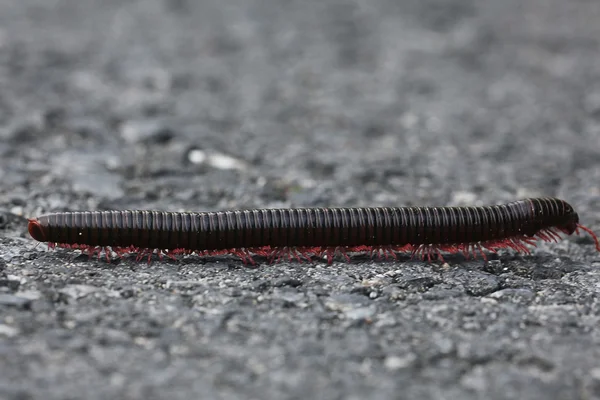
569, 223
36, 230
568, 220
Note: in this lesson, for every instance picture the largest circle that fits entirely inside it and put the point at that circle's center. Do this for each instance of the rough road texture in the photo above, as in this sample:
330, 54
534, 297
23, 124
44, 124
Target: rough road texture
206, 105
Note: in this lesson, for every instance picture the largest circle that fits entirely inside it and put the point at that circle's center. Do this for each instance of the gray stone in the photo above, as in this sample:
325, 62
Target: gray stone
78, 291
14, 301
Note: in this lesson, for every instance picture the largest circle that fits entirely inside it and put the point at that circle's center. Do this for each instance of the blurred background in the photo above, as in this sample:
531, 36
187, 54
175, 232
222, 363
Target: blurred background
181, 104
211, 105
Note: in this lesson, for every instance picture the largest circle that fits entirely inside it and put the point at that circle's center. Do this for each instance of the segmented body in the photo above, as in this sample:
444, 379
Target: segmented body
425, 231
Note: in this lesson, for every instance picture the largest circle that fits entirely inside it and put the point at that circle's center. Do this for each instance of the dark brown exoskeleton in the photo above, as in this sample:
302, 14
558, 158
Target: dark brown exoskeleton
424, 231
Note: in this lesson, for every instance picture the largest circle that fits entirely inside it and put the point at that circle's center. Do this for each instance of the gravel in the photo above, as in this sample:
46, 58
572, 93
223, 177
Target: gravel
189, 105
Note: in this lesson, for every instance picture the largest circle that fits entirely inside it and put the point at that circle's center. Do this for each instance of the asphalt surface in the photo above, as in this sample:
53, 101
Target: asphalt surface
212, 105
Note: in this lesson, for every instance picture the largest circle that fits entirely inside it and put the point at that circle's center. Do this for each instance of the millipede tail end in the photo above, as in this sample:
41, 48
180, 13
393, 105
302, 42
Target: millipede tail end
36, 230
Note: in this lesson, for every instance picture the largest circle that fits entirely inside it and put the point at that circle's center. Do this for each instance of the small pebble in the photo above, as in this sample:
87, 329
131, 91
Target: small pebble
14, 301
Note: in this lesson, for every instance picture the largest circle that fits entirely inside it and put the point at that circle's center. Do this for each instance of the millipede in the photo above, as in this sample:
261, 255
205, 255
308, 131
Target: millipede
303, 233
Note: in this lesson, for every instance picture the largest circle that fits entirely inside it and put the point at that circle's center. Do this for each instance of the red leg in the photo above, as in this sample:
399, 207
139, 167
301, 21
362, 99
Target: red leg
330, 251
440, 256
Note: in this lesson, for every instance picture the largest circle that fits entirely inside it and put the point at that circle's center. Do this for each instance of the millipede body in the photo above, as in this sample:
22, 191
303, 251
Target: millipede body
306, 232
